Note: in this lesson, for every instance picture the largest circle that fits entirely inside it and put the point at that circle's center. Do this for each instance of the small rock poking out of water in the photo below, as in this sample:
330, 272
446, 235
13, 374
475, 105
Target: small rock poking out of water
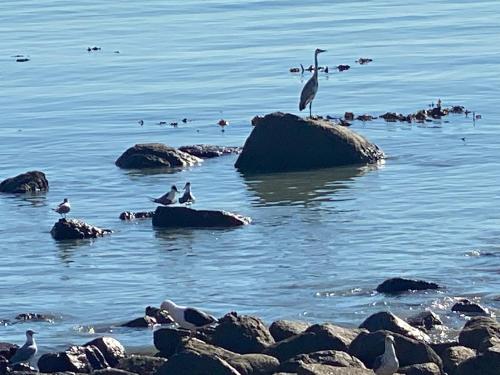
152, 316
22, 59
363, 61
425, 319
209, 151
343, 67
184, 217
93, 49
29, 182
400, 285
75, 230
468, 307
35, 317
127, 215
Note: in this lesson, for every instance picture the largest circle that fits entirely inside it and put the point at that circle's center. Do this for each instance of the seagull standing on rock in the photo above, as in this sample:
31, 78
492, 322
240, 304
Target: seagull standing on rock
63, 208
188, 317
187, 197
387, 363
26, 352
167, 198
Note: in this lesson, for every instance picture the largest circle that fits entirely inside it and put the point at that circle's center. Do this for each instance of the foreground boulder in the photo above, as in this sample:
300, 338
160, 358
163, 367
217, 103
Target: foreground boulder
399, 285
75, 359
29, 182
141, 364
110, 347
285, 142
184, 217
209, 151
320, 369
242, 334
283, 329
421, 369
477, 331
76, 230
326, 357
155, 155
385, 320
487, 363
7, 350
452, 357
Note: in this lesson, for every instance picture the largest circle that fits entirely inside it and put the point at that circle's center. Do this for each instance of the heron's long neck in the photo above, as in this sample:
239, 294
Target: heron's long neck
316, 63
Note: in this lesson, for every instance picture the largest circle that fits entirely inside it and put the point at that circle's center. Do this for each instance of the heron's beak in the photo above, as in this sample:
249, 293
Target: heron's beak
321, 50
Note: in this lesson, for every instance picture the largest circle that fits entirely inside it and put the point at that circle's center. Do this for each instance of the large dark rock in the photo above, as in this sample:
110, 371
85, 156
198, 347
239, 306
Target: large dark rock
75, 230
193, 363
455, 355
4, 363
477, 330
142, 322
283, 329
469, 308
368, 346
75, 359
141, 364
29, 182
316, 338
285, 142
318, 369
168, 340
155, 155
209, 151
112, 349
385, 320
7, 350
184, 217
421, 369
399, 285
242, 334
325, 357
487, 363
440, 347
114, 371
161, 316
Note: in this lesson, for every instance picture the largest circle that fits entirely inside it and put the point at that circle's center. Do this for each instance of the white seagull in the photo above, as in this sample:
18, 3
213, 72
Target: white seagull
387, 363
63, 208
188, 317
187, 197
26, 352
167, 198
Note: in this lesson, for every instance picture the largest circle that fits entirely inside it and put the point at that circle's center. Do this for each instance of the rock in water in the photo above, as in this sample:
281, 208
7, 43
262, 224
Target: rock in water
209, 151
75, 230
29, 182
184, 217
155, 155
285, 142
399, 285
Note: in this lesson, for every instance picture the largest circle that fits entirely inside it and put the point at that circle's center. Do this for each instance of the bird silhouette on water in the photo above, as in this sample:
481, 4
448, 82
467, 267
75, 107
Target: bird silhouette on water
311, 88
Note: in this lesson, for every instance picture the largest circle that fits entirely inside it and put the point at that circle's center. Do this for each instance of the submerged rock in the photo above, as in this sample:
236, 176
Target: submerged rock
285, 142
75, 230
468, 307
399, 284
388, 321
29, 182
184, 217
210, 151
425, 319
155, 155
127, 215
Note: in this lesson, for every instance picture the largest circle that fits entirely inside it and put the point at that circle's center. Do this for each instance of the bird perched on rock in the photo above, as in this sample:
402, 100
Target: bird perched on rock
167, 198
63, 208
311, 88
187, 197
188, 317
26, 352
387, 363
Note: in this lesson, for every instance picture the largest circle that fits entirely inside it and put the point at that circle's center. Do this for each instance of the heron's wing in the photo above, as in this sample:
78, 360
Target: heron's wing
198, 317
308, 92
23, 354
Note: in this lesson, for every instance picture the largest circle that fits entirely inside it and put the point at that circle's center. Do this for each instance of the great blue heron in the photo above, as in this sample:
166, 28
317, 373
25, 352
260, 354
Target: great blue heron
311, 88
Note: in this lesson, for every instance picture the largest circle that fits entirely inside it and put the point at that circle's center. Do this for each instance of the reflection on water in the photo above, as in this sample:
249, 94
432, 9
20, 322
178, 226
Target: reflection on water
301, 188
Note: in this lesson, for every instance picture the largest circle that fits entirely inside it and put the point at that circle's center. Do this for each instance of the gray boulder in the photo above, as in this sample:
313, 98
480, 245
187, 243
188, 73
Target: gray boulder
326, 357
285, 142
399, 285
29, 182
487, 363
385, 320
242, 334
112, 349
155, 155
318, 369
368, 346
75, 359
141, 364
193, 363
455, 355
283, 329
316, 338
478, 330
421, 369
184, 217
73, 229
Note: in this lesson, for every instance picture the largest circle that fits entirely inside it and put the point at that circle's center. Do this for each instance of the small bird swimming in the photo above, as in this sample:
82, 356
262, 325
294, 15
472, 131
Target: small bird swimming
387, 363
167, 198
187, 197
26, 352
188, 317
311, 87
63, 208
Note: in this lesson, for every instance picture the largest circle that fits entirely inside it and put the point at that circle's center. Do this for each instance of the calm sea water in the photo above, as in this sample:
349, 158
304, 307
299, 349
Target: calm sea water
321, 240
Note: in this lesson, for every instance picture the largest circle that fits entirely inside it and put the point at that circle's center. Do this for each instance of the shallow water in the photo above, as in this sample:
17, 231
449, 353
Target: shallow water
320, 241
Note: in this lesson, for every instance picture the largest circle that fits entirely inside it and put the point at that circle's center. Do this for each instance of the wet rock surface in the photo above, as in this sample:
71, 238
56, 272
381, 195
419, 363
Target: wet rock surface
399, 285
285, 142
468, 307
73, 229
387, 321
29, 182
184, 217
155, 155
209, 151
477, 331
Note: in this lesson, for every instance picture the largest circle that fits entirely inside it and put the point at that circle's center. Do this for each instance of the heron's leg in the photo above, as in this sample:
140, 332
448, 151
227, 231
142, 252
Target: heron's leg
310, 109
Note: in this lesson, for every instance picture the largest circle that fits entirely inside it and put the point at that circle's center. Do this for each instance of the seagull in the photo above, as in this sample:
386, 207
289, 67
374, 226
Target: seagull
187, 197
26, 352
387, 363
188, 317
167, 198
63, 208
